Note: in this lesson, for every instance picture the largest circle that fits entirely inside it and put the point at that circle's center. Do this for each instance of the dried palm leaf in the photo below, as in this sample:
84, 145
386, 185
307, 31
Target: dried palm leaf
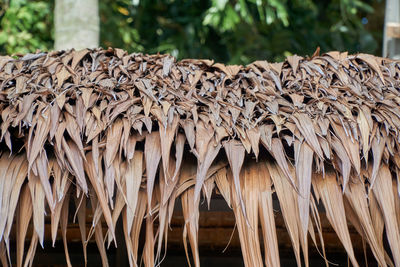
81, 122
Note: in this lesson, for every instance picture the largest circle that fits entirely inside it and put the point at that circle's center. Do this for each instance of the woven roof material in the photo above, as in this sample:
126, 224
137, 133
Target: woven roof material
122, 128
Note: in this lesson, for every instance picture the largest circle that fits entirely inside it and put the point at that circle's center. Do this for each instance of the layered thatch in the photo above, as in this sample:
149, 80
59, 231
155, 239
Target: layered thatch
133, 134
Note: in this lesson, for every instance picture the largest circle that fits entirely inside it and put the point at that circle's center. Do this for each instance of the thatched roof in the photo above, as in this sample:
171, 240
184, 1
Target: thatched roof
133, 134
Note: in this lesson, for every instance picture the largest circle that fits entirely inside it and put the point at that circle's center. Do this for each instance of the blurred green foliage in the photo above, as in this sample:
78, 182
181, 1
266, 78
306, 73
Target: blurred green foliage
231, 31
25, 26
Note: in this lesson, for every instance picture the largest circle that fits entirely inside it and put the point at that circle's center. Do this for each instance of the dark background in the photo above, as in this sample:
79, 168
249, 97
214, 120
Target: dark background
229, 31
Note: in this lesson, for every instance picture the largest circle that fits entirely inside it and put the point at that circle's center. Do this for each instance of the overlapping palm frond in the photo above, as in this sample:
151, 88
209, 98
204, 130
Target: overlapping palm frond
134, 134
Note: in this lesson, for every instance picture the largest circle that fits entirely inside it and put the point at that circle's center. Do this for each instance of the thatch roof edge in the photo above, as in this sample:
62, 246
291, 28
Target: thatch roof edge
119, 128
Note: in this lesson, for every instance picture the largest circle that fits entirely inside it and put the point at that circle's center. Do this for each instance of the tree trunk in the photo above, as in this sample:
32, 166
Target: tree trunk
76, 24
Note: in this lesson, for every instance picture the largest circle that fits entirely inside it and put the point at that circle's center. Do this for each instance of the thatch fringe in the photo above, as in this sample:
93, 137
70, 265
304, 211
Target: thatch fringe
133, 134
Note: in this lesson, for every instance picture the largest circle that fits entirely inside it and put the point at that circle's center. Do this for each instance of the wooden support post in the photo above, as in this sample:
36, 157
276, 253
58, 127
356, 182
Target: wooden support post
391, 37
